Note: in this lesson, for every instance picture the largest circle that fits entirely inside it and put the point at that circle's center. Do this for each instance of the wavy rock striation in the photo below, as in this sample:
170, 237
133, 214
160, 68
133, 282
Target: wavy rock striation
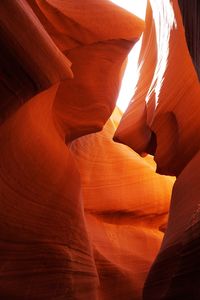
45, 249
166, 106
126, 210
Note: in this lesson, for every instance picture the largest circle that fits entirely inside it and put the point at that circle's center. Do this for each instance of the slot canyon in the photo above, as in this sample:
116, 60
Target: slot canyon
96, 203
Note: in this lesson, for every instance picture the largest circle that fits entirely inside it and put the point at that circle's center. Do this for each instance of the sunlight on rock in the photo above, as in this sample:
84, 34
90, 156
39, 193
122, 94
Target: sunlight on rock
131, 74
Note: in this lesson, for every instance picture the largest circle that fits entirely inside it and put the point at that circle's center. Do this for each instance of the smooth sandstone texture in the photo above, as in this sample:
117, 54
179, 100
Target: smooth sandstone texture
46, 252
126, 210
96, 36
167, 124
175, 272
73, 24
30, 62
166, 109
85, 220
133, 130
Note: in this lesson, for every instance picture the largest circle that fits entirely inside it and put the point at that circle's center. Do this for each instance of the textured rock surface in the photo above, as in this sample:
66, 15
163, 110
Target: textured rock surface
84, 218
45, 251
126, 210
175, 273
169, 102
133, 129
167, 125
30, 62
97, 48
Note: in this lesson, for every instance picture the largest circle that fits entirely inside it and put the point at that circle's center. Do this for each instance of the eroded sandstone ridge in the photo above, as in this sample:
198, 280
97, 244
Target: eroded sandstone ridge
82, 217
168, 126
126, 210
61, 69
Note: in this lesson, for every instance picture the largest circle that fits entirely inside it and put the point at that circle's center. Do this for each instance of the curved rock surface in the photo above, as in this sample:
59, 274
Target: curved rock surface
168, 103
81, 216
126, 210
45, 249
44, 253
97, 48
166, 106
30, 62
175, 272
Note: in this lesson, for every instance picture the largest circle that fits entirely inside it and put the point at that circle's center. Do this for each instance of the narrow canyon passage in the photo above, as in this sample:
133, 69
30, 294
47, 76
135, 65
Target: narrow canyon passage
96, 203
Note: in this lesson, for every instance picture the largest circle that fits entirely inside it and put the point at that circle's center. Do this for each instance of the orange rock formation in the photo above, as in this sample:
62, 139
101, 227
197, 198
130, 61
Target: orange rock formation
82, 217
163, 119
126, 210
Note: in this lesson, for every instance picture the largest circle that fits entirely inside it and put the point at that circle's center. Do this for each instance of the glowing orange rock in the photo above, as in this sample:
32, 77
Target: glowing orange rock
73, 24
126, 210
45, 249
167, 124
133, 130
97, 48
164, 113
45, 253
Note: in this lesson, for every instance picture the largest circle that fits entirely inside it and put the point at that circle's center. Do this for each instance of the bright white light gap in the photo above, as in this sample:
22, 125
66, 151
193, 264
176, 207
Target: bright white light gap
138, 8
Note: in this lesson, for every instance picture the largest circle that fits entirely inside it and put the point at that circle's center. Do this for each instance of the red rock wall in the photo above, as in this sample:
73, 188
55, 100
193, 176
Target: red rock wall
44, 252
30, 62
164, 109
175, 272
167, 125
50, 248
83, 217
126, 210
